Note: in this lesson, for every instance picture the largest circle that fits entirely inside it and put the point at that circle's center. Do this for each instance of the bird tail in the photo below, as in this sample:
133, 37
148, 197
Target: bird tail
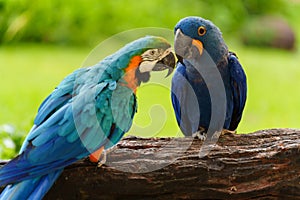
34, 188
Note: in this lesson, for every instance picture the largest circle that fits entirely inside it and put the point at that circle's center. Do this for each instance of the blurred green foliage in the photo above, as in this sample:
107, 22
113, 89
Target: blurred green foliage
10, 141
88, 22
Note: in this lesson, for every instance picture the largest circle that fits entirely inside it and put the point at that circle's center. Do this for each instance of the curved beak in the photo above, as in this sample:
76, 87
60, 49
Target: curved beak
167, 61
185, 46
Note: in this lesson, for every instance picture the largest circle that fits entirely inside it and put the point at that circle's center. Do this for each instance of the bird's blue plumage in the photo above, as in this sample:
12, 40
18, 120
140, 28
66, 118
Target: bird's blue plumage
89, 109
239, 89
191, 96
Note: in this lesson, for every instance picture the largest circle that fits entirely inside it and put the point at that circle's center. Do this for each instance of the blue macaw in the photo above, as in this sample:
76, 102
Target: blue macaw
206, 70
88, 112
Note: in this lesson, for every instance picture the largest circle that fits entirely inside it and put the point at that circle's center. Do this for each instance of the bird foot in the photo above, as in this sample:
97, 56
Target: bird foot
98, 157
227, 132
102, 159
200, 134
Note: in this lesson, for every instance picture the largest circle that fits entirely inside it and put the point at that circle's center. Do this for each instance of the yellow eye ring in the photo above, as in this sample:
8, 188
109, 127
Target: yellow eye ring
201, 30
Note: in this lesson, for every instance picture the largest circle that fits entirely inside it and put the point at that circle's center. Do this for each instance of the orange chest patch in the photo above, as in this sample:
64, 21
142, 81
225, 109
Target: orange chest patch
130, 70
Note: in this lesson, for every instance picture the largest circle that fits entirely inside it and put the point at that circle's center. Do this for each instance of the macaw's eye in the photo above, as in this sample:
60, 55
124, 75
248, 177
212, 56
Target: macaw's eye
201, 30
152, 52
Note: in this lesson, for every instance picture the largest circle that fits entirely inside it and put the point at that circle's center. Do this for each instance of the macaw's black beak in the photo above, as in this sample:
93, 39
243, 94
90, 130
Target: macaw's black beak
186, 47
167, 62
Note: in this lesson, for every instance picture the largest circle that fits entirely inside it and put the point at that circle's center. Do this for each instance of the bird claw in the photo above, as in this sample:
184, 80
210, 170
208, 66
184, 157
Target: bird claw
201, 134
102, 160
227, 132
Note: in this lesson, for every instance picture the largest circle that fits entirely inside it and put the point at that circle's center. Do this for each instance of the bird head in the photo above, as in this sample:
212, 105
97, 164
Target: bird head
194, 35
156, 56
144, 55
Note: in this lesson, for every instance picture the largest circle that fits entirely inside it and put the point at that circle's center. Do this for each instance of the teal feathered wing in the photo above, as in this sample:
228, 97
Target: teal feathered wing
81, 115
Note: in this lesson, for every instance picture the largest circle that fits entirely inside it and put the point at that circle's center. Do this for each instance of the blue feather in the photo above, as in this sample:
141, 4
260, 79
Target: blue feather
239, 89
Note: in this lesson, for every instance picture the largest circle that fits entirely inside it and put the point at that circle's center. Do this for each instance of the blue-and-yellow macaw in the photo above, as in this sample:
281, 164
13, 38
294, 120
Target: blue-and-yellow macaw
89, 111
203, 60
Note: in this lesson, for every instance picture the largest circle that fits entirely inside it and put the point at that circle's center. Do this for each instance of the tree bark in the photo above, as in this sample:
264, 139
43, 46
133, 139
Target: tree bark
260, 165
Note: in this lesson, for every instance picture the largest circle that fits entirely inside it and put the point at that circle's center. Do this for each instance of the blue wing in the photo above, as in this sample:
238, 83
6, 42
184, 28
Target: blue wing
70, 125
185, 102
239, 90
176, 93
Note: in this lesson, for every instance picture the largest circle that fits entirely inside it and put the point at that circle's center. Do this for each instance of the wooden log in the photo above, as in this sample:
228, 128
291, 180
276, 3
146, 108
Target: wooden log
260, 165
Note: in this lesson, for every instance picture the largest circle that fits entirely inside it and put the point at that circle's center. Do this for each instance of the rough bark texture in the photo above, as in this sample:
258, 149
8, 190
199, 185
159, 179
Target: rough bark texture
260, 165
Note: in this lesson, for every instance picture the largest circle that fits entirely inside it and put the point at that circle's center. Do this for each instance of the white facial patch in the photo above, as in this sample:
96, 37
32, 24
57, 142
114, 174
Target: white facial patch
151, 57
147, 66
